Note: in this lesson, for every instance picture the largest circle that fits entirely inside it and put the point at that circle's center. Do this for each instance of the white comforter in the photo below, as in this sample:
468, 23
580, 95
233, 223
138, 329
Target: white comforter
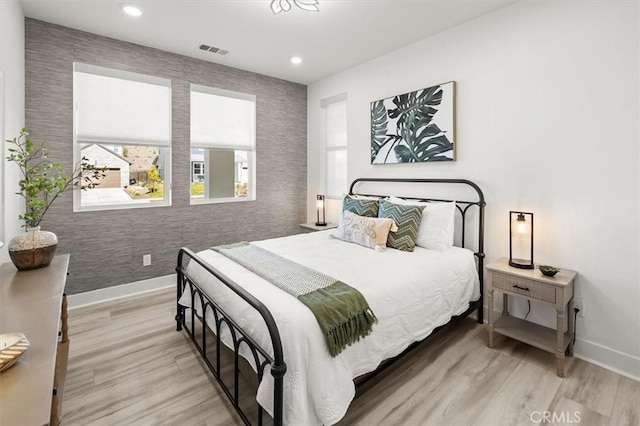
410, 293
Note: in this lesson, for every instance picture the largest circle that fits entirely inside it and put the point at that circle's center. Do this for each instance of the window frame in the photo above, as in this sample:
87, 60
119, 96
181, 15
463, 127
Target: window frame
77, 145
251, 153
324, 103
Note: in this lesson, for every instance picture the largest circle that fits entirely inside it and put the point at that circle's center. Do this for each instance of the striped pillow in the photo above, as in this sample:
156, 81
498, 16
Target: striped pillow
407, 219
361, 206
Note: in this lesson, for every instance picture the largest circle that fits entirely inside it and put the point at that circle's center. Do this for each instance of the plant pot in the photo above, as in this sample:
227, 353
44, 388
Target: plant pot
33, 250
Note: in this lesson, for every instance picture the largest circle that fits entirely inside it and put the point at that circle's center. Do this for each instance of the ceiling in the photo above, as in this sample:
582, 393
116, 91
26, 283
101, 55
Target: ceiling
343, 34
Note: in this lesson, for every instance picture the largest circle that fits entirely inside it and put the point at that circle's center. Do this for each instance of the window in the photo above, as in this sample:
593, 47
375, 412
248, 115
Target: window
335, 145
122, 122
197, 171
223, 144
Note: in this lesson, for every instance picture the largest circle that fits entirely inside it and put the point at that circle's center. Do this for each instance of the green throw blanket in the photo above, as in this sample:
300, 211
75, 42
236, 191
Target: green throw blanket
342, 311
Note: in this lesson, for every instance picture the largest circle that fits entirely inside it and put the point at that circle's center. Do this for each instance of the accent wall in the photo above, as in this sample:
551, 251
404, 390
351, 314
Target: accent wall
106, 247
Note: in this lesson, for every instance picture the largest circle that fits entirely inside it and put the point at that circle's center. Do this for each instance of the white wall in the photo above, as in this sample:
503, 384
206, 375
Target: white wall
12, 108
547, 122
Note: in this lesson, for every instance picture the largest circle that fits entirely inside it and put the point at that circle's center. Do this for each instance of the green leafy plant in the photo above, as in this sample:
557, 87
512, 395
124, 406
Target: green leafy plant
43, 180
242, 189
197, 188
153, 179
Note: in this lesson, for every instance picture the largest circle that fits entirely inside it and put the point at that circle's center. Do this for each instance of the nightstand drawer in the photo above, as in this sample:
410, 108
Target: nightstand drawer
528, 288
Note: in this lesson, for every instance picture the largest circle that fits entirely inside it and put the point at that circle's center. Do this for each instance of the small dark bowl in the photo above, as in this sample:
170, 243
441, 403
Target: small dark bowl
548, 271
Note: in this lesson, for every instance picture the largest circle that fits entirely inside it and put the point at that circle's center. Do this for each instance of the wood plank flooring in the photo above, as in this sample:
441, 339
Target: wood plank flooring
128, 366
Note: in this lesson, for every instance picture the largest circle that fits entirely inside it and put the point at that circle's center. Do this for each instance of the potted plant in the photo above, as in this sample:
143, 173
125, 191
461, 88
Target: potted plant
42, 182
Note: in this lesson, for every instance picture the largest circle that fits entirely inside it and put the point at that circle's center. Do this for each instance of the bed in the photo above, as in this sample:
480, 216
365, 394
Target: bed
412, 294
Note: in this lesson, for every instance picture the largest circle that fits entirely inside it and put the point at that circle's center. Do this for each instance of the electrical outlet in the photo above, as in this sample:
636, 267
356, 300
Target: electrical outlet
146, 259
579, 303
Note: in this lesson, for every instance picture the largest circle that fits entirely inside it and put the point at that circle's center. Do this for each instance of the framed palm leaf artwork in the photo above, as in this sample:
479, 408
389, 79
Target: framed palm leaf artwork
414, 127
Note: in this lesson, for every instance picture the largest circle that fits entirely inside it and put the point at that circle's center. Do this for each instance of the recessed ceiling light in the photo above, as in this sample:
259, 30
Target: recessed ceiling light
296, 60
130, 9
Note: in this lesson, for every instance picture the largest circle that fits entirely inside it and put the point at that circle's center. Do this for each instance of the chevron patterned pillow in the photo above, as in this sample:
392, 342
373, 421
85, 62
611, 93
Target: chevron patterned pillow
361, 206
407, 219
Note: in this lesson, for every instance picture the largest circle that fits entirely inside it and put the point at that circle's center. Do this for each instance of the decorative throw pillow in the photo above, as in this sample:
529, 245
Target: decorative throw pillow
437, 224
370, 232
407, 218
361, 206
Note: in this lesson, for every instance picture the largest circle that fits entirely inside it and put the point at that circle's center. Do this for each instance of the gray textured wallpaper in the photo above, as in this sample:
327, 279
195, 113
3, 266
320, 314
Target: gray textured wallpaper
106, 247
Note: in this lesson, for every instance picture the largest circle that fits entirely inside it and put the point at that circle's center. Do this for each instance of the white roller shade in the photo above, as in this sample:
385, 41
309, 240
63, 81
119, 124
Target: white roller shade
222, 119
336, 124
335, 144
121, 107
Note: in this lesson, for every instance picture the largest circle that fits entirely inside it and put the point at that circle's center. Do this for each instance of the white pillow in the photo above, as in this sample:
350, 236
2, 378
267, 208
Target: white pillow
363, 197
370, 232
437, 223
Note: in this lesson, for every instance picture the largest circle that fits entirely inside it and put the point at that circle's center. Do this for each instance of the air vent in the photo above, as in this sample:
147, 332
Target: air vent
213, 49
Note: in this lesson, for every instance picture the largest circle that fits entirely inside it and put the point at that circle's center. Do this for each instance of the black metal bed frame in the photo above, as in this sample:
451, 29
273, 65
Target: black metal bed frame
276, 361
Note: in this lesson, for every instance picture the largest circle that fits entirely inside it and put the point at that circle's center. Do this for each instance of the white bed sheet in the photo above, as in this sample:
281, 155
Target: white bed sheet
410, 293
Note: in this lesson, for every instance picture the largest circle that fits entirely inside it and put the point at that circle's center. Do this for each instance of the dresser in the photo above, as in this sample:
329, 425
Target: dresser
33, 303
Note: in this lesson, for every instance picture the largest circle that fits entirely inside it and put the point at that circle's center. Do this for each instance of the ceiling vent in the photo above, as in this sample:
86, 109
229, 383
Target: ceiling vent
213, 49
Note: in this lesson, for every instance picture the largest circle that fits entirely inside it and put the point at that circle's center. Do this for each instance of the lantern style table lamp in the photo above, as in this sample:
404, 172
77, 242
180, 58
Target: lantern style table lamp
320, 210
521, 240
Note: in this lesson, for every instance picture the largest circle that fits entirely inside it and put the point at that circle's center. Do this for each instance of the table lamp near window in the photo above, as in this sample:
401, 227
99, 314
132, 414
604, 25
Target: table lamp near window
320, 211
521, 240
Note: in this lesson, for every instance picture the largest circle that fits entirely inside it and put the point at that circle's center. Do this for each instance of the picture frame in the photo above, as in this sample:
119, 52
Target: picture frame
415, 127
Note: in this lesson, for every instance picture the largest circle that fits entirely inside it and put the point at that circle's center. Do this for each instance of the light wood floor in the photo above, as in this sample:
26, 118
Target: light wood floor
128, 366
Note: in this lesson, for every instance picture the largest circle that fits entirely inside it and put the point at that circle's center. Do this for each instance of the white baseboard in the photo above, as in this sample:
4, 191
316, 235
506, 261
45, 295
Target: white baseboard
120, 291
613, 360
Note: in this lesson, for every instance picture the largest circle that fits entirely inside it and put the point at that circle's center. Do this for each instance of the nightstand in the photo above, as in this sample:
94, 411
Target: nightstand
312, 227
531, 284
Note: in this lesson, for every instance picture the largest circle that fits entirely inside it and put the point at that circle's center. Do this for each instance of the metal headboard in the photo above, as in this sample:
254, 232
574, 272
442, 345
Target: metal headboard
463, 207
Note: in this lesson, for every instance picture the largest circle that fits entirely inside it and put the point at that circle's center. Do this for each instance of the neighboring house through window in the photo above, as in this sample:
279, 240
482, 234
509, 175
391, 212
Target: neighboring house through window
118, 168
197, 167
335, 145
223, 144
122, 122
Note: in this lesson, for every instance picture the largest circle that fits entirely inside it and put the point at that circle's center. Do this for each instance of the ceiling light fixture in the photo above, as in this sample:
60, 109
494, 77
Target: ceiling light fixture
278, 6
130, 9
296, 60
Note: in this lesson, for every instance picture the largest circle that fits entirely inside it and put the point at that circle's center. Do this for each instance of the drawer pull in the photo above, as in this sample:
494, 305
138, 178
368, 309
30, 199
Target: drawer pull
521, 288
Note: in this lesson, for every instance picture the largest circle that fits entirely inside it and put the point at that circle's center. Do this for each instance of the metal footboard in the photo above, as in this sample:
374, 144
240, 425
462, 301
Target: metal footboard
276, 361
